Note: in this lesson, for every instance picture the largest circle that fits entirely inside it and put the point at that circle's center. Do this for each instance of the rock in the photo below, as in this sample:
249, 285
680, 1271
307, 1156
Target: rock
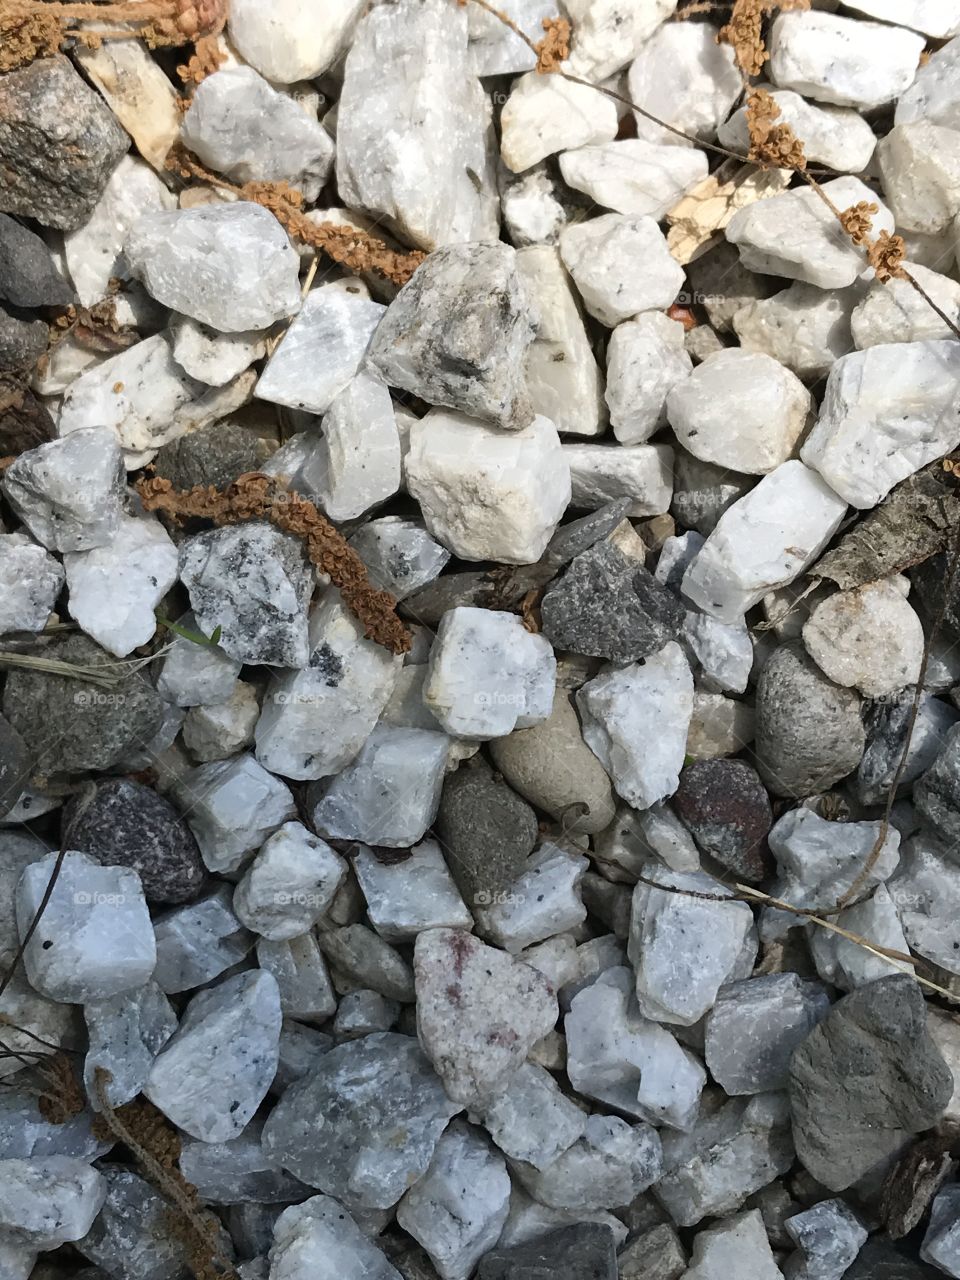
361, 1013
743, 559
635, 722
582, 1251
400, 555
126, 824
239, 125
885, 723
94, 938
195, 674
15, 767
703, 492
655, 1255
815, 253
846, 965
829, 1236
940, 1242
869, 637
46, 1202
545, 114
126, 1032
594, 252
230, 266
29, 1015
28, 275
322, 349
542, 902
535, 204
873, 1045
726, 809
723, 650
881, 1260
284, 45
356, 465
31, 580
488, 675
214, 1072
611, 1164
494, 49
362, 1094
319, 1238
932, 96
738, 1246
531, 1120
685, 77
479, 1012
41, 487
301, 974
404, 898
804, 328
232, 806
842, 60
602, 473
607, 34
413, 67
646, 360
683, 948
809, 733
363, 959
835, 137
719, 726
920, 167
886, 412
131, 1235
216, 359
59, 143
937, 793
890, 313
237, 1170
22, 343
924, 893
932, 20
484, 494
633, 176
635, 838
73, 724
254, 583
289, 884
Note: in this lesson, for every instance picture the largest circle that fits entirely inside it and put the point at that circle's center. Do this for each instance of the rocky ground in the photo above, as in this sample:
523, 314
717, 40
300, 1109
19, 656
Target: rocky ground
479, 752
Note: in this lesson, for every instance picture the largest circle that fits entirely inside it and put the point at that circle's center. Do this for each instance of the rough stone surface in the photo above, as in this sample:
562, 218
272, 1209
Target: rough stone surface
725, 807
738, 1246
232, 806
583, 1251
544, 115
319, 1238
633, 176
869, 637
28, 275
594, 251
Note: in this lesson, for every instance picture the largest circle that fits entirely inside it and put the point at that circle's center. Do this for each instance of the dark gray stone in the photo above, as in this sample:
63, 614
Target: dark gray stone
929, 580
809, 733
215, 455
608, 606
583, 1251
887, 724
880, 1259
126, 824
28, 276
726, 808
936, 796
864, 1080
71, 725
59, 144
24, 419
486, 829
655, 1255
22, 342
14, 766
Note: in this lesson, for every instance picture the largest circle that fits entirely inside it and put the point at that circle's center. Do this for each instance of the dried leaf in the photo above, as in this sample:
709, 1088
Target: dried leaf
698, 218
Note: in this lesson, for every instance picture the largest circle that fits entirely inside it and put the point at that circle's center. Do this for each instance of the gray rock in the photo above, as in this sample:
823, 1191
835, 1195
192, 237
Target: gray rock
879, 1259
886, 724
131, 1237
702, 491
829, 1236
14, 766
232, 806
197, 943
28, 277
583, 1251
59, 143
126, 1032
726, 809
367, 961
655, 1255
809, 733
936, 795
237, 1171
400, 555
216, 454
735, 1247
22, 341
941, 1244
457, 332
865, 1079
302, 976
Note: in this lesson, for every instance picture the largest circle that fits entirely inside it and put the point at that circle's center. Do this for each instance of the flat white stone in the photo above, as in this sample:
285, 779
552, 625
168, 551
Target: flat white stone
833, 136
845, 61
126, 1032
400, 555
214, 358
488, 494
684, 76
596, 253
608, 33
803, 327
219, 731
303, 980
545, 114
289, 884
646, 359
611, 1164
544, 900
634, 176
232, 806
494, 49
404, 898
30, 581
195, 674
601, 473
319, 1240
737, 1247
287, 42
937, 18
886, 413
199, 941
895, 312
46, 1202
531, 1120
934, 95
920, 167
356, 464
635, 722
764, 540
869, 637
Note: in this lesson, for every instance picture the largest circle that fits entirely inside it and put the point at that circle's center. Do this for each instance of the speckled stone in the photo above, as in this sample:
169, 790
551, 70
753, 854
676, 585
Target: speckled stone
28, 277
726, 808
582, 1251
215, 454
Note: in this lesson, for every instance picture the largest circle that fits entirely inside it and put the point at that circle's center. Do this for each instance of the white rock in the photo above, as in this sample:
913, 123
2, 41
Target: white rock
635, 722
319, 1240
430, 173
634, 176
356, 464
287, 42
289, 884
213, 1074
302, 977
66, 361
531, 1120
315, 720
215, 358
635, 838
596, 253
847, 965
545, 114
764, 540
934, 95
563, 378
895, 312
724, 651
803, 327
229, 266
196, 674
542, 901
221, 730
842, 60
199, 941
920, 167
232, 806
531, 203
740, 409
608, 33
529, 1220
488, 494
833, 136
400, 555
494, 49
404, 898
322, 350
684, 76
18, 1260
30, 581
601, 473
94, 938
737, 1247
611, 1164
126, 1032
925, 891
886, 413
868, 637
937, 18
41, 487
646, 359
46, 1202
29, 1015
458, 1208
240, 126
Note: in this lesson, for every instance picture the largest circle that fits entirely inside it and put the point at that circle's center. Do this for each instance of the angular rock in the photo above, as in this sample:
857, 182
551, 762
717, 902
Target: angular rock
31, 580
611, 1164
232, 806
583, 1251
738, 1246
285, 44
833, 136
407, 897
356, 464
319, 1238
594, 252
362, 959
545, 114
216, 359
44, 1203
22, 343
195, 674
685, 77
890, 312
940, 1244
804, 328
829, 1236
723, 650
646, 360
29, 1015
400, 555
920, 167
219, 731
724, 806
542, 902
301, 975
633, 176
531, 1120
886, 724
703, 492
361, 1013
494, 49
289, 884
131, 1234
924, 893
933, 94
126, 1032
604, 473
719, 726
28, 275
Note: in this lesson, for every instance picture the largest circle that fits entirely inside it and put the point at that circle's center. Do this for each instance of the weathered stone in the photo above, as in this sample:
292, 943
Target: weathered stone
400, 555
545, 114
605, 473
28, 275
803, 327
319, 1238
594, 251
362, 958
685, 77
611, 1164
829, 1236
645, 361
232, 806
404, 898
584, 1251
289, 885
833, 136
738, 1246
633, 176
285, 43
126, 1032
302, 977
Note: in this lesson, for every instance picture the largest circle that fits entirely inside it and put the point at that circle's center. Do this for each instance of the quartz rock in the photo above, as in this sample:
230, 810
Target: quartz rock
289, 885
22, 343
361, 1096
236, 1171
941, 1245
931, 17
920, 167
828, 1236
407, 897
531, 1120
602, 473
886, 413
215, 358
609, 33
925, 891
846, 965
400, 555
723, 649
594, 253
126, 1032
26, 1134
232, 806
479, 1012
842, 60
363, 959
496, 50
738, 1246
287, 43
635, 721
684, 76
635, 838
412, 67
41, 487
230, 266
933, 94
937, 795
633, 176
543, 901
302, 977
655, 1255
356, 464
197, 943
320, 1239
240, 126
94, 938
703, 492
535, 204
30, 580
486, 494
584, 1248
683, 948
254, 583
719, 726
869, 637
814, 252
545, 114
833, 136
646, 360
214, 1072
764, 540
803, 327
196, 674
46, 1202
894, 312
611, 1164
322, 349
131, 1234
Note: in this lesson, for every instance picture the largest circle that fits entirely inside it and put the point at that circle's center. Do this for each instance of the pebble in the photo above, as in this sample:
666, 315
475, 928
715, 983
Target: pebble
836, 137
31, 580
400, 555
216, 359
828, 1237
633, 176
283, 45
363, 959
611, 1164
126, 1032
361, 1013
602, 473
532, 1120
702, 492
544, 115
924, 892
28, 274
232, 806
803, 327
581, 1249
609, 34
290, 883
46, 1202
22, 343
869, 637
646, 360
406, 897
544, 901
318, 1238
846, 965
719, 726
594, 252
723, 650
301, 974
738, 1246
933, 94
59, 143
890, 312
725, 807
685, 77
941, 1246
920, 167
356, 464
